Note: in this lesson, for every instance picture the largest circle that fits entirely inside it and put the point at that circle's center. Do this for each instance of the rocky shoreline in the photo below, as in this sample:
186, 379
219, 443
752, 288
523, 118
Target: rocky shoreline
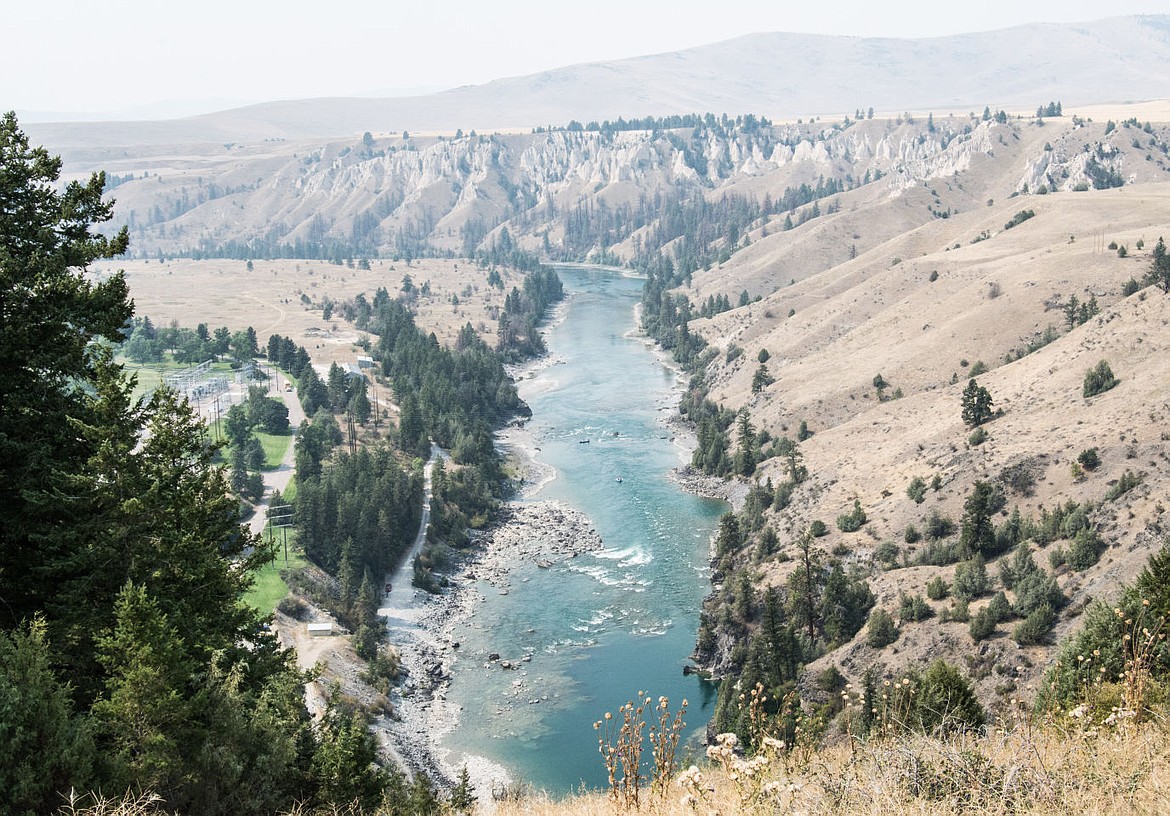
710, 487
545, 532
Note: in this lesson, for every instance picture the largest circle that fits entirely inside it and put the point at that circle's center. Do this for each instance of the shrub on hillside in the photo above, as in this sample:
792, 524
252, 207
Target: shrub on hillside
1019, 218
1088, 459
1035, 628
999, 608
1085, 550
959, 613
939, 553
886, 554
981, 626
1098, 380
881, 630
939, 526
851, 522
1019, 478
971, 580
1033, 586
937, 588
916, 490
1128, 481
294, 607
946, 702
914, 608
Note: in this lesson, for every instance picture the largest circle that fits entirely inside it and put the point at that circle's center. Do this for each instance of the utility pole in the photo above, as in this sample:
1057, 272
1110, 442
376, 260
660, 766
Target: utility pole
280, 518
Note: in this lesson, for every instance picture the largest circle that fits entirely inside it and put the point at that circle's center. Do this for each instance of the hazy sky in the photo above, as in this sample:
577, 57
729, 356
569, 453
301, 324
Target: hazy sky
123, 55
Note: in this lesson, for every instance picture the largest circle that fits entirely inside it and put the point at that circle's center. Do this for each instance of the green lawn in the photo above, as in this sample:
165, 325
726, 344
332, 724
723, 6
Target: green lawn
275, 446
268, 588
290, 493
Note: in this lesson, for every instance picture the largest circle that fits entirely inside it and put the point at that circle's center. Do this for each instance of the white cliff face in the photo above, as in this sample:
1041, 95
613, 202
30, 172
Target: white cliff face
430, 190
1070, 165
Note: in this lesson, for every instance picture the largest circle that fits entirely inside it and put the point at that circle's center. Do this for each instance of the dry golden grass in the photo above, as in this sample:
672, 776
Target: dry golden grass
1020, 772
222, 292
1023, 771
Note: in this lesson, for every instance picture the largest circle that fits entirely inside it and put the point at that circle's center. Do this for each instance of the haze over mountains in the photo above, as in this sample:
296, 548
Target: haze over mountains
779, 75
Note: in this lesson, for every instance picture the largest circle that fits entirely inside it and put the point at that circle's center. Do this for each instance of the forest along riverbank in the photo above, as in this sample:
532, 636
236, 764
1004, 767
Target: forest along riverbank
423, 628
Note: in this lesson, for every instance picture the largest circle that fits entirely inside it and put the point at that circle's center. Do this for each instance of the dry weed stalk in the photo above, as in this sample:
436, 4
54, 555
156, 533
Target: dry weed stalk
95, 804
621, 744
664, 739
755, 783
1141, 642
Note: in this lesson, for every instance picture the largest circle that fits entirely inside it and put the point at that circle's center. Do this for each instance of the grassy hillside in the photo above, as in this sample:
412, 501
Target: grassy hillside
926, 309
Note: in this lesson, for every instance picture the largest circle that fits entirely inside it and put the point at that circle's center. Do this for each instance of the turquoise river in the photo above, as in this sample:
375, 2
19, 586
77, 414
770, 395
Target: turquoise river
602, 626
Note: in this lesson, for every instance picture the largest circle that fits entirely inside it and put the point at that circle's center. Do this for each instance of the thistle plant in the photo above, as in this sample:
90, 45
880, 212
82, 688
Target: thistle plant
664, 737
620, 746
621, 743
754, 779
1141, 640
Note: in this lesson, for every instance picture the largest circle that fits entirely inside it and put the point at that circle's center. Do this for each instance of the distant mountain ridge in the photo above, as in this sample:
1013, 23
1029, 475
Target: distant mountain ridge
775, 74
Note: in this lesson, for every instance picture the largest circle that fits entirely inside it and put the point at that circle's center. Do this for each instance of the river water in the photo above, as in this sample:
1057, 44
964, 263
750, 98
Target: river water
600, 627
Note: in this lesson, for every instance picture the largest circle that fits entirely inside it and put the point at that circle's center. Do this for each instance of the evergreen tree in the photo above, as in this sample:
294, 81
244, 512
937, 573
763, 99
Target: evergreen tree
946, 701
359, 403
1159, 272
976, 404
780, 643
761, 379
337, 386
971, 579
977, 532
50, 312
463, 796
121, 536
882, 630
312, 391
142, 712
804, 588
44, 749
1098, 380
1034, 588
365, 612
1153, 584
745, 455
345, 767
